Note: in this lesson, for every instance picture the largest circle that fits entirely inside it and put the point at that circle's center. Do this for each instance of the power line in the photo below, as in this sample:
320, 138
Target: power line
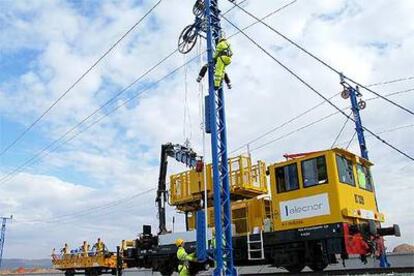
283, 124
18, 138
306, 112
88, 211
10, 175
311, 124
350, 141
316, 91
294, 131
78, 125
341, 130
319, 59
381, 132
390, 81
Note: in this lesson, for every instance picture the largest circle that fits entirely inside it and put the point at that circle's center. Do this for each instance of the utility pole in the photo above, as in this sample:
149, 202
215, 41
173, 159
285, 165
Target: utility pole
223, 254
353, 93
3, 235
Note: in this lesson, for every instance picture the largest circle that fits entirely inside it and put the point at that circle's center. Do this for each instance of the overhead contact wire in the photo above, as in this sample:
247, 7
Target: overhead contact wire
21, 135
319, 59
314, 90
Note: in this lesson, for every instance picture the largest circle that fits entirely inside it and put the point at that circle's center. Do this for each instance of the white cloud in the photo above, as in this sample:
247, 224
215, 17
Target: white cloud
120, 155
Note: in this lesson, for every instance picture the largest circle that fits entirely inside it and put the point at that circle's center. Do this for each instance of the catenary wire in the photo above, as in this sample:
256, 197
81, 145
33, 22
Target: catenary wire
27, 129
21, 167
306, 112
316, 91
13, 173
294, 131
282, 124
341, 130
319, 59
350, 140
88, 212
390, 81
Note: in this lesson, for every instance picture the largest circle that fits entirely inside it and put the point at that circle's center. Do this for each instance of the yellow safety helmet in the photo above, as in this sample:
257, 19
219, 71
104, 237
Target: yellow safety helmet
179, 242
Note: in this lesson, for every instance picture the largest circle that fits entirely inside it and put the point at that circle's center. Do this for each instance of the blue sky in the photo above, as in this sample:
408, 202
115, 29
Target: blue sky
46, 45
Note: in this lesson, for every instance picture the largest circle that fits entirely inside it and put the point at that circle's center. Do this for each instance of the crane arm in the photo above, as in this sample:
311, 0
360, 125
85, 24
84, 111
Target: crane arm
183, 155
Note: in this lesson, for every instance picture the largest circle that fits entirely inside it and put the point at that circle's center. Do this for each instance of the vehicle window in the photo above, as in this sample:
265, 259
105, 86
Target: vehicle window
314, 171
287, 178
364, 178
345, 172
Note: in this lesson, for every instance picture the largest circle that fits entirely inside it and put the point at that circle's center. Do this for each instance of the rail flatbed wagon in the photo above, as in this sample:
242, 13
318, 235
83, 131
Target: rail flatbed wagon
91, 264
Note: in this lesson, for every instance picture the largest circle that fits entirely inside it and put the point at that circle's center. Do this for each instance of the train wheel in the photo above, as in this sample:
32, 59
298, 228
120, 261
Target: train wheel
69, 273
295, 268
318, 267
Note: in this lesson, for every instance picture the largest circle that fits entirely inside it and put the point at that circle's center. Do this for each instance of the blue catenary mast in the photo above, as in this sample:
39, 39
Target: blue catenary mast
222, 210
3, 235
353, 93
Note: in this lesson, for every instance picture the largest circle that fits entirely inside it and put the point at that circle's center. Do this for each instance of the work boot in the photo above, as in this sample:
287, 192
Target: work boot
199, 78
229, 85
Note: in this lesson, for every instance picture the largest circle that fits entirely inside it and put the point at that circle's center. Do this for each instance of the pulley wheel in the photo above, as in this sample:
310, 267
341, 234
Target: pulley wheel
187, 39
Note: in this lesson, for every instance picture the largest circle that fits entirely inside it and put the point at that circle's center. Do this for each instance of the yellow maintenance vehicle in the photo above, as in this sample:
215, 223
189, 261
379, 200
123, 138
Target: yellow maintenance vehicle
319, 205
304, 211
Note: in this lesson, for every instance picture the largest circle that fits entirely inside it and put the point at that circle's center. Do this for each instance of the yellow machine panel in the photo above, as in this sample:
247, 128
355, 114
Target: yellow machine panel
320, 188
247, 180
247, 215
76, 261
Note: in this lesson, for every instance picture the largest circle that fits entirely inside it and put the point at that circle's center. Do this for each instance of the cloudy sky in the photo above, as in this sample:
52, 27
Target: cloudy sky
100, 182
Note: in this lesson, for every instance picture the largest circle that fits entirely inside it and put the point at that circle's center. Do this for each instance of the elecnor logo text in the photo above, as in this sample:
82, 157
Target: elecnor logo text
304, 207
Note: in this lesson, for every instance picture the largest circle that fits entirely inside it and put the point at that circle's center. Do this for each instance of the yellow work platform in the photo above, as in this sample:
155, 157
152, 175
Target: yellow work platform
76, 261
247, 215
247, 180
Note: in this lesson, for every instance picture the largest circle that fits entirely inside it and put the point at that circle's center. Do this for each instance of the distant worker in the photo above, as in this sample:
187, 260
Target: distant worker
54, 257
65, 250
222, 58
99, 247
84, 249
184, 259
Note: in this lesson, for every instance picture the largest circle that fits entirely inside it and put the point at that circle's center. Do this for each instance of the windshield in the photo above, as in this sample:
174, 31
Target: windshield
364, 177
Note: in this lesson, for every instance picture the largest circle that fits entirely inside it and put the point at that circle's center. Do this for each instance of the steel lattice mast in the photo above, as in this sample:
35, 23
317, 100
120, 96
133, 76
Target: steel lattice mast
222, 210
3, 235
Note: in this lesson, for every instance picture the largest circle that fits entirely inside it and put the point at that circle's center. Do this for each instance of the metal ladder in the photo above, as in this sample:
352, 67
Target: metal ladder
255, 249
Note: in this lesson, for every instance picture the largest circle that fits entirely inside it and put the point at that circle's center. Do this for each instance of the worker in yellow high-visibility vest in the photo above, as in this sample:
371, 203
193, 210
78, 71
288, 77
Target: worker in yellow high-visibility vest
85, 249
99, 247
222, 58
184, 259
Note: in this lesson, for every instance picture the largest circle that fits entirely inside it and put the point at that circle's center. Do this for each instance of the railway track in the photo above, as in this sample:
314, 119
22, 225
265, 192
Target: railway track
353, 271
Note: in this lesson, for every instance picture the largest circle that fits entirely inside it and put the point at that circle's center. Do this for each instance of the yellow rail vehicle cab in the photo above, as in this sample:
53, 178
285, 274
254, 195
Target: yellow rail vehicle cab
328, 194
322, 187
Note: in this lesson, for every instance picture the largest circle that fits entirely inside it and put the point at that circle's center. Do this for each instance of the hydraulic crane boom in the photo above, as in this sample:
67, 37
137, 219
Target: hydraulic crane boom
3, 235
183, 155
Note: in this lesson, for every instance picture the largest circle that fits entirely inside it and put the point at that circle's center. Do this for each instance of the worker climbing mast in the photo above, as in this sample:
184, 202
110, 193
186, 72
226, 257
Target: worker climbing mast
216, 117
